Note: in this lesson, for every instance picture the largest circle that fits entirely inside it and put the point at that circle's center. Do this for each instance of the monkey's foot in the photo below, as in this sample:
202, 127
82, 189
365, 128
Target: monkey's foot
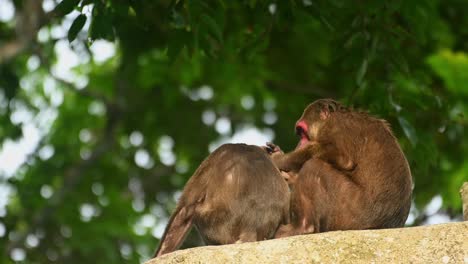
292, 230
247, 237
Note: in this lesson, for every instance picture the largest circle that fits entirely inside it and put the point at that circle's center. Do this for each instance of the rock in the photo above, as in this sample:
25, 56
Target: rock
444, 243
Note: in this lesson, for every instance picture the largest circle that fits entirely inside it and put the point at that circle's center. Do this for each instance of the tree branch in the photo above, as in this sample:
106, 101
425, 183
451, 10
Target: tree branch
74, 173
72, 177
84, 92
29, 20
70, 86
305, 89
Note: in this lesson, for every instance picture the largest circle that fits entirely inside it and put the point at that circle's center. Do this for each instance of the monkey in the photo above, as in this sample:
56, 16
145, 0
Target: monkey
347, 172
236, 195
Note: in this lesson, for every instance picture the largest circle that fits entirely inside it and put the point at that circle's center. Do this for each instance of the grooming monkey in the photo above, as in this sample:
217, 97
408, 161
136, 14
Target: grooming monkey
347, 172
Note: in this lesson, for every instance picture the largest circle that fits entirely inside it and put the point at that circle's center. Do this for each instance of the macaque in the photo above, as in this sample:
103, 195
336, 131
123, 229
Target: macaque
347, 172
236, 195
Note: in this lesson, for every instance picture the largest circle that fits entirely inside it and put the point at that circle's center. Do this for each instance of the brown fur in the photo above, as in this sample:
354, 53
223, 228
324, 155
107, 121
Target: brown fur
351, 174
236, 195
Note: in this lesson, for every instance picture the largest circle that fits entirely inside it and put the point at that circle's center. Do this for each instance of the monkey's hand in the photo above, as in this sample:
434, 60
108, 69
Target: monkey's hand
271, 148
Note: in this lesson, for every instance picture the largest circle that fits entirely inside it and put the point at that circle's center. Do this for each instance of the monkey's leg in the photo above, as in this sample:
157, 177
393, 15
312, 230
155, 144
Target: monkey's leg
285, 231
323, 199
330, 199
292, 230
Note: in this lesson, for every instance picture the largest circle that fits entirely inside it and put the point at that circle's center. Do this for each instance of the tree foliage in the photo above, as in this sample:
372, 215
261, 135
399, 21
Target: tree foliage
120, 137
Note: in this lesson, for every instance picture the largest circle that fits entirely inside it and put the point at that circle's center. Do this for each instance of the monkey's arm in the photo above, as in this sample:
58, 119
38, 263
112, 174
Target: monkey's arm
293, 161
331, 154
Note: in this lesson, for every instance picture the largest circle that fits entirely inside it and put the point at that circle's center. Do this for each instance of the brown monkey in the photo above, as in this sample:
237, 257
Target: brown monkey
347, 172
236, 195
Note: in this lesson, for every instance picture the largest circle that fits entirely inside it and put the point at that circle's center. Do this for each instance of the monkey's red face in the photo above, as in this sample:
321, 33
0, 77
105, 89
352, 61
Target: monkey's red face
302, 130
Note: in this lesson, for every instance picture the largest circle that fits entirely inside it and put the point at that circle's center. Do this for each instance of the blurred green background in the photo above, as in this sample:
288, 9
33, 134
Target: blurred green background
108, 106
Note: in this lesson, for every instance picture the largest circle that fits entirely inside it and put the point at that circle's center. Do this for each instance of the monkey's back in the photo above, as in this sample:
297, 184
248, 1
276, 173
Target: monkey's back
382, 170
243, 196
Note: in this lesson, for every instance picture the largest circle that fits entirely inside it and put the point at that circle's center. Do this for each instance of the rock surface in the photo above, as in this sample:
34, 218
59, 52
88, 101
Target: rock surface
444, 243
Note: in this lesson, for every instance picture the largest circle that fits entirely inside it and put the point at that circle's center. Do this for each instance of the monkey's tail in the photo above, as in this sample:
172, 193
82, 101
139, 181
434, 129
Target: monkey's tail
176, 230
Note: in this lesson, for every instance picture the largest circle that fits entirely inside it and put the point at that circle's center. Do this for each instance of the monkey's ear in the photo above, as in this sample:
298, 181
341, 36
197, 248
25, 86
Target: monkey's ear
328, 108
325, 111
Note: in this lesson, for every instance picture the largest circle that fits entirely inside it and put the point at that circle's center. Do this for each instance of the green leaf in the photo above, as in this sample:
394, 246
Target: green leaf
222, 3
76, 27
87, 2
176, 43
66, 6
401, 63
362, 72
452, 68
409, 130
9, 82
349, 43
177, 20
213, 27
374, 46
101, 25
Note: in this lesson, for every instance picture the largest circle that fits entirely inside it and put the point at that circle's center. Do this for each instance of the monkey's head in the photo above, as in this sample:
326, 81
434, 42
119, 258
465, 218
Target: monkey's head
314, 117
